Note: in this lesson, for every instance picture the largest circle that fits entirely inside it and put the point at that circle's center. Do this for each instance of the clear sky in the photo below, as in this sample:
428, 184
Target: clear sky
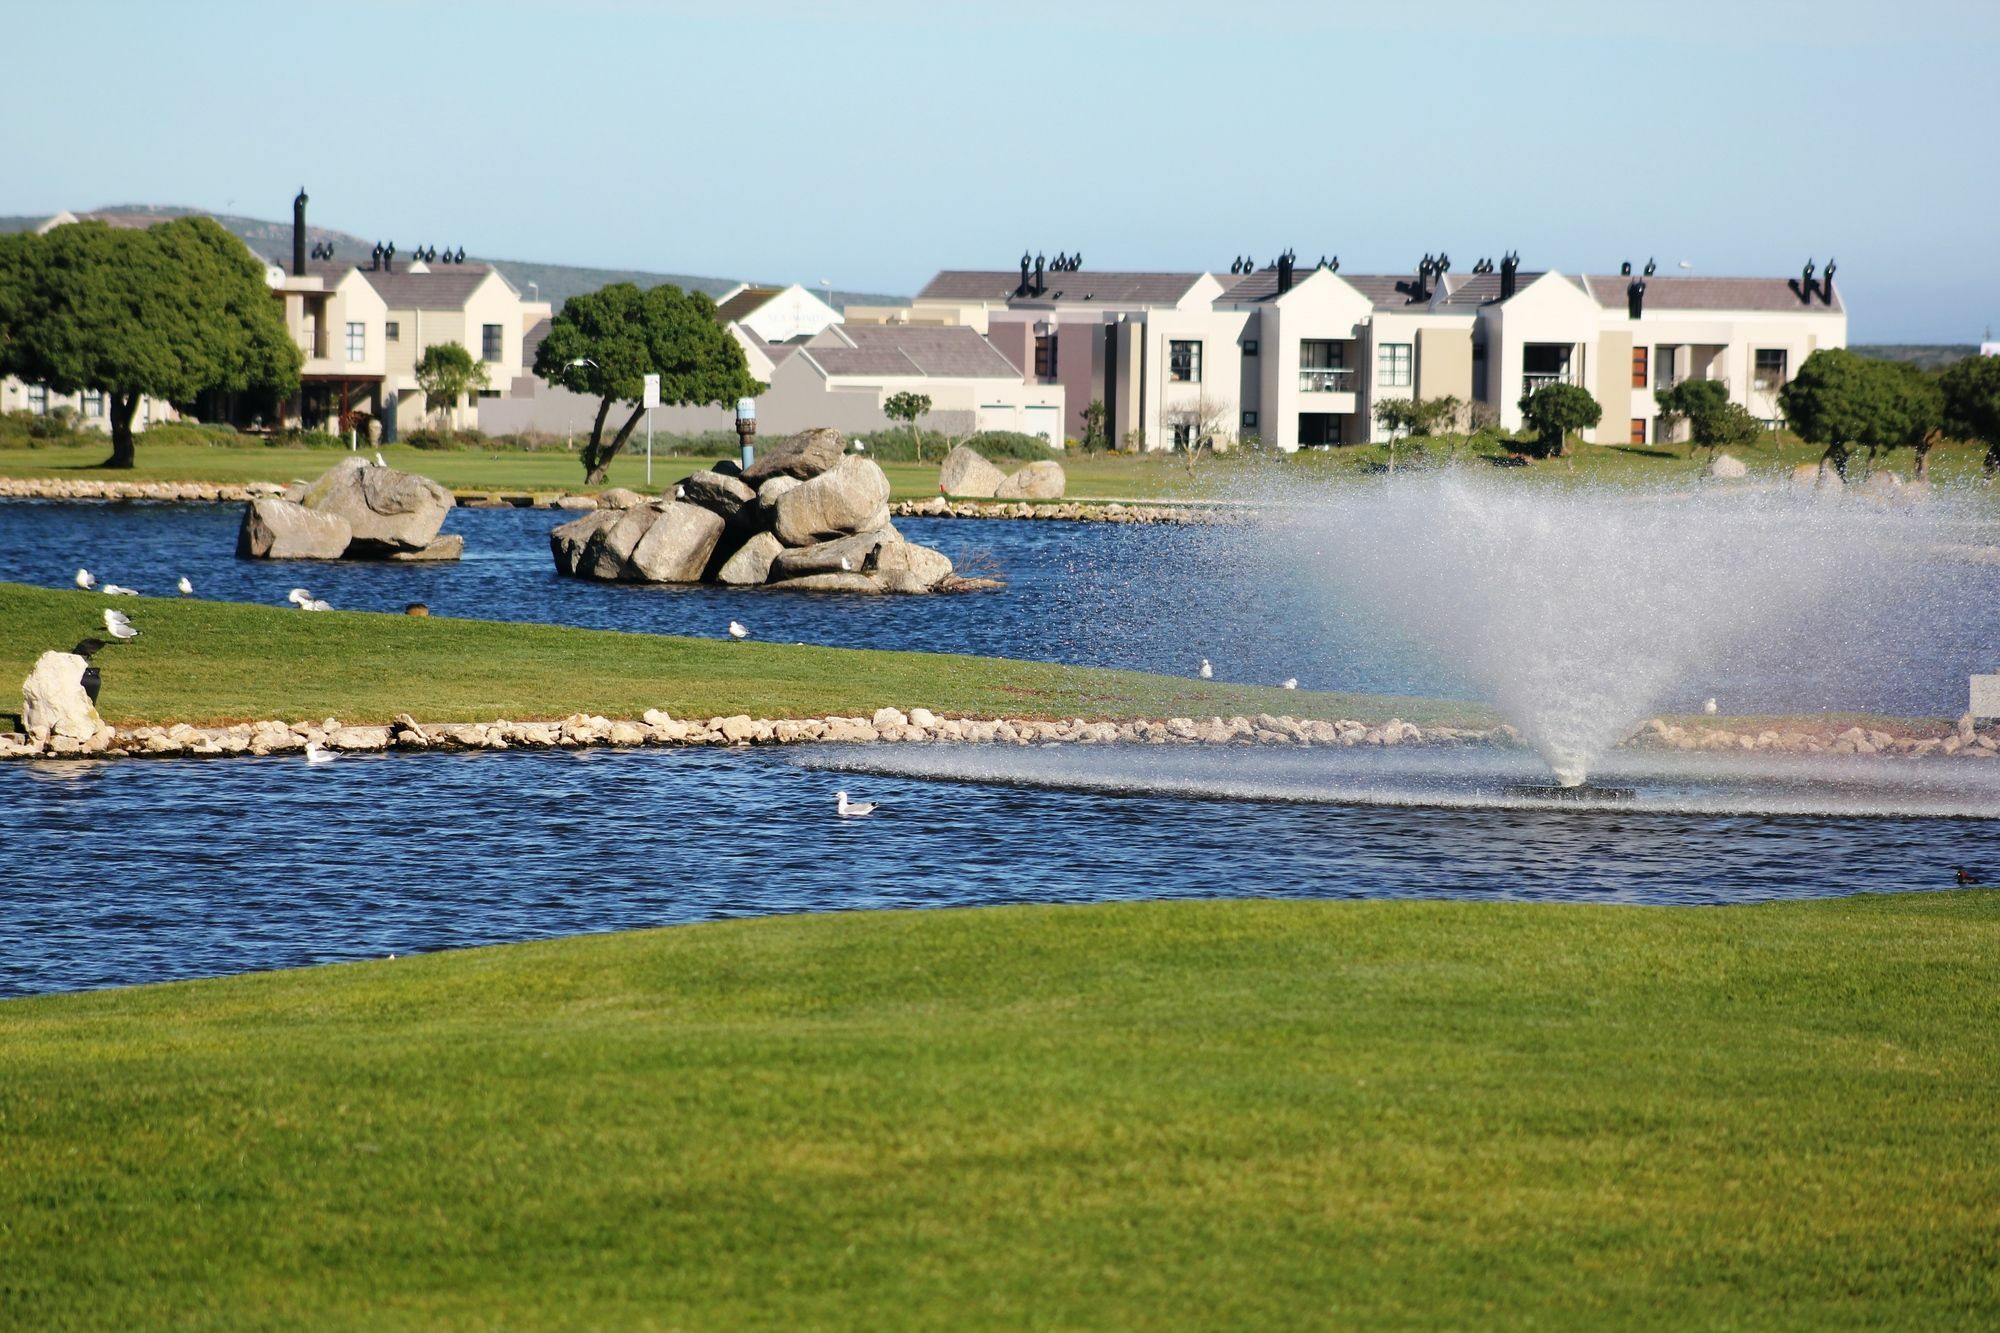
872, 144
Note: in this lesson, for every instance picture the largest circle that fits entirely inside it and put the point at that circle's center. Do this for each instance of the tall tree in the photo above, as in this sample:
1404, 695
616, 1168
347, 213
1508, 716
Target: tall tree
1835, 401
168, 312
444, 372
1714, 421
604, 344
1971, 391
1557, 411
1913, 412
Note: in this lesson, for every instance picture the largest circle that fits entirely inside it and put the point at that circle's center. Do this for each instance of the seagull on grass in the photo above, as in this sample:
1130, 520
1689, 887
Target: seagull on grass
379, 460
186, 588
1709, 707
738, 630
319, 754
1291, 682
1207, 672
115, 590
847, 809
85, 579
118, 626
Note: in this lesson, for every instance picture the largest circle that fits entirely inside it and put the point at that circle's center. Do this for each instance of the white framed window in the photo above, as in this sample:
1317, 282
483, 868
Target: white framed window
1184, 362
392, 332
93, 402
489, 342
1394, 363
1769, 372
357, 341
38, 399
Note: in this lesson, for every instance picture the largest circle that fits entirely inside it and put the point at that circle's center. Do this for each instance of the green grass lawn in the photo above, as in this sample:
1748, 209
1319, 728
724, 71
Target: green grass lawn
1200, 1115
1101, 476
209, 662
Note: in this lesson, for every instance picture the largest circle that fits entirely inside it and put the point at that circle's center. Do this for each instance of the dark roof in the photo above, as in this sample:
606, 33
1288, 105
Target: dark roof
1683, 292
775, 351
531, 342
907, 349
745, 301
445, 287
1082, 285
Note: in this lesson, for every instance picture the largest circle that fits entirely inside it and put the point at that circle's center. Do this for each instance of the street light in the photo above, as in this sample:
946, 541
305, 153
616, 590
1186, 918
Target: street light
569, 422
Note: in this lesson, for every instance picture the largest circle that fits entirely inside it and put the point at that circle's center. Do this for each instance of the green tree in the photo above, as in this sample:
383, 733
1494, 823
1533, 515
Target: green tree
1094, 438
604, 344
1913, 412
445, 372
1557, 411
1971, 392
1418, 416
171, 312
1835, 401
1714, 421
906, 407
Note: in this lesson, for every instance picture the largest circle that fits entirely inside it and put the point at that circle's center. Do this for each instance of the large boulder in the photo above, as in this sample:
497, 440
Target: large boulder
614, 543
387, 509
275, 529
570, 542
53, 702
768, 493
1040, 480
448, 547
837, 581
677, 546
908, 567
619, 497
852, 497
751, 564
854, 553
713, 490
1727, 466
805, 455
966, 472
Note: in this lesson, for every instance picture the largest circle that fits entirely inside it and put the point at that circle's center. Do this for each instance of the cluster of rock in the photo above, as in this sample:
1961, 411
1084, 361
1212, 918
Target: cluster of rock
354, 511
807, 516
59, 488
657, 728
968, 474
1964, 740
1113, 511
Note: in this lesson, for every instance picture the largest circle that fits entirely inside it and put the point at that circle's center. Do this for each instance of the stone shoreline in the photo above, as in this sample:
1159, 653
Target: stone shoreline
892, 725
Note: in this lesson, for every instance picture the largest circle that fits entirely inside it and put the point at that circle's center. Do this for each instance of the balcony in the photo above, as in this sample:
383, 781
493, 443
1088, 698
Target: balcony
1536, 380
1334, 380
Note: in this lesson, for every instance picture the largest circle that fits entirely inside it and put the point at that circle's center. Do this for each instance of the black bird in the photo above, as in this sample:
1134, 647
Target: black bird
1964, 876
92, 681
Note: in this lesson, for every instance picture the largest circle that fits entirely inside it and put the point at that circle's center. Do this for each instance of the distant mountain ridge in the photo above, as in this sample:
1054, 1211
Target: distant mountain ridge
554, 283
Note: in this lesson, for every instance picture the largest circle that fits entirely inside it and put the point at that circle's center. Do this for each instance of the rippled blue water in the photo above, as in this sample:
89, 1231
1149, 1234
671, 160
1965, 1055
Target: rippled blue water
135, 871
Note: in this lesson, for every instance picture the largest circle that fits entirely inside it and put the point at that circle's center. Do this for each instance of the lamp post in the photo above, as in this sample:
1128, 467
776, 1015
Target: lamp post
746, 429
569, 422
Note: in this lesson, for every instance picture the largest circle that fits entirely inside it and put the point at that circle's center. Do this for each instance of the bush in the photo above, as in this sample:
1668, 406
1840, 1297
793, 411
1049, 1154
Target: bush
898, 444
193, 432
305, 439
427, 438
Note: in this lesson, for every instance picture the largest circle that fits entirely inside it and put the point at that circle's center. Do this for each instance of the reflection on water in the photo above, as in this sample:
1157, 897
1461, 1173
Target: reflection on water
132, 871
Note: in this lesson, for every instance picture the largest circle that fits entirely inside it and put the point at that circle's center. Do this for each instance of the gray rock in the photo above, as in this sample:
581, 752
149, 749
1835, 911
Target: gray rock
387, 510
619, 497
677, 545
768, 493
614, 543
276, 529
1727, 466
966, 472
53, 702
853, 497
834, 582
1040, 480
909, 568
751, 564
577, 502
448, 547
569, 542
712, 490
859, 551
805, 455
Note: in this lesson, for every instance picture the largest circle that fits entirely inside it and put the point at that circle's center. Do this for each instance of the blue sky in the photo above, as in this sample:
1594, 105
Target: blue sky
872, 144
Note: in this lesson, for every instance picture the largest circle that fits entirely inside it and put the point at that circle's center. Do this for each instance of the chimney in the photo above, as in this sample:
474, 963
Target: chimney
1284, 272
1040, 286
1635, 297
1509, 263
375, 258
299, 234
1826, 283
1806, 283
1025, 287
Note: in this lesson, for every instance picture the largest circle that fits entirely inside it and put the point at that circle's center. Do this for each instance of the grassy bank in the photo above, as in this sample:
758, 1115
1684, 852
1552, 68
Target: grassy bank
210, 662
1100, 476
1249, 1114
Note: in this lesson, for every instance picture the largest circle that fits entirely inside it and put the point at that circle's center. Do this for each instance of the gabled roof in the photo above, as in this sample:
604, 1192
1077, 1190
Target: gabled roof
531, 342
774, 352
945, 351
1081, 285
743, 301
1685, 292
445, 287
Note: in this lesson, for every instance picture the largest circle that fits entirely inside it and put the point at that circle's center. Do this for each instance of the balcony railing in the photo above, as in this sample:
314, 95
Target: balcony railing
1535, 380
1326, 381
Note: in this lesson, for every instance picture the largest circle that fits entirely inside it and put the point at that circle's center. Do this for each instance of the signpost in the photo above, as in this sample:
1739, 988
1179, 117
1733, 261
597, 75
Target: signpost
652, 400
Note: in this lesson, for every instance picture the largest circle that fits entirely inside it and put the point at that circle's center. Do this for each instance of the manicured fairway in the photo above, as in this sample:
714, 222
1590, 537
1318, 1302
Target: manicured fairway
209, 662
1249, 1114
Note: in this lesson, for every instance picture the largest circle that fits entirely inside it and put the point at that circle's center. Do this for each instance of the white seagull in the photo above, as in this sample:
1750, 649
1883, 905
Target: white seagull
85, 579
1207, 672
680, 492
298, 597
316, 604
378, 459
847, 809
319, 754
1291, 682
738, 630
113, 590
844, 563
117, 625
1708, 707
187, 589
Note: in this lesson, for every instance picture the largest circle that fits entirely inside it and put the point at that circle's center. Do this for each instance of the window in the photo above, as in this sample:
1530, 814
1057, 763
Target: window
1321, 354
392, 332
489, 342
93, 402
1638, 372
1318, 430
1184, 362
38, 399
1183, 434
1638, 430
1249, 347
1393, 362
1249, 421
357, 341
1663, 368
1770, 368
1045, 357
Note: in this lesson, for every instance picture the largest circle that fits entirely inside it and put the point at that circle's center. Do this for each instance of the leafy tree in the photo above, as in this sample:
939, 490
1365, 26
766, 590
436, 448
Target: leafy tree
1834, 401
1094, 438
1971, 393
1555, 412
1713, 420
906, 407
171, 312
444, 372
604, 344
1913, 412
1418, 416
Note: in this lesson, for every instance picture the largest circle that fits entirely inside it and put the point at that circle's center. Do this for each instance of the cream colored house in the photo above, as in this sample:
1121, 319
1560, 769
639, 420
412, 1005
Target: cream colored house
776, 314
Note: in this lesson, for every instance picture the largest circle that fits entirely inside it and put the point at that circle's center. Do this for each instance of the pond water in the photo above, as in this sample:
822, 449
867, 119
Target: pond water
130, 871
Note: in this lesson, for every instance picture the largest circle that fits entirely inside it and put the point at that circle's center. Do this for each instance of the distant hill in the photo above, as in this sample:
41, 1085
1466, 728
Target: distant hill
1931, 356
554, 283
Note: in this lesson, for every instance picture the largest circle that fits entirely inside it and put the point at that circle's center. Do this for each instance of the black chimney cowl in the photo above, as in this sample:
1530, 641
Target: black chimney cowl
1635, 297
299, 234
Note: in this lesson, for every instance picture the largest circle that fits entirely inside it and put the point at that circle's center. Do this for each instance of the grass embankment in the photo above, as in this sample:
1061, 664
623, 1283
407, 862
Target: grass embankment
1099, 476
1252, 1114
212, 662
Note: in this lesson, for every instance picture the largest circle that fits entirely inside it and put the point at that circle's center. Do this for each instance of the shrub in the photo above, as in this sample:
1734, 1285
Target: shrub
305, 439
1011, 444
427, 438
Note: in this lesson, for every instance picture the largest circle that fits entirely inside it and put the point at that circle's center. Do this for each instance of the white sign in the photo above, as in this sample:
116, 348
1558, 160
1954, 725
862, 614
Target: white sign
652, 398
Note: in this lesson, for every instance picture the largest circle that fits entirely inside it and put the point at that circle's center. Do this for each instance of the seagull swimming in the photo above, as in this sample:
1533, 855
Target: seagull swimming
1708, 707
1291, 682
1207, 672
85, 579
114, 590
187, 589
118, 626
847, 809
319, 754
738, 630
